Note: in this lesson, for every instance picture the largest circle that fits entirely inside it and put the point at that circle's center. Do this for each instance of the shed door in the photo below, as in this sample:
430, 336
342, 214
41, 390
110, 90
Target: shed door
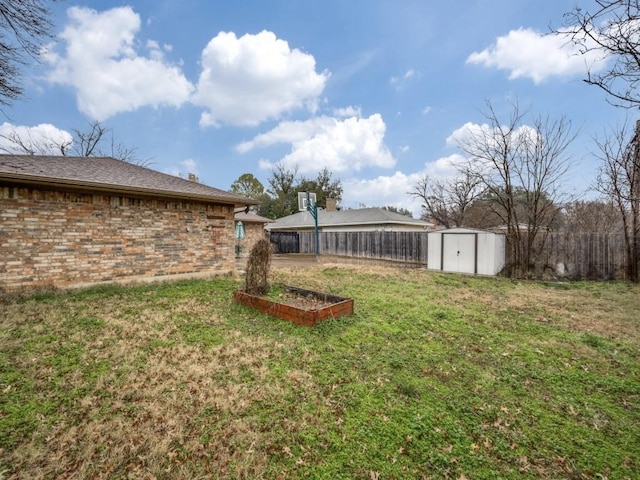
459, 252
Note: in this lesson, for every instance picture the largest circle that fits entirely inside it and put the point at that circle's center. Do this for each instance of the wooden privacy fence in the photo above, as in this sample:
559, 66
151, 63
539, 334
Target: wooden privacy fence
592, 256
285, 242
410, 247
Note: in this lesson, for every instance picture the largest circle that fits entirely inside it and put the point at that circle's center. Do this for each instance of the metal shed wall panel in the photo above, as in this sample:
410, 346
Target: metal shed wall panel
459, 252
463, 250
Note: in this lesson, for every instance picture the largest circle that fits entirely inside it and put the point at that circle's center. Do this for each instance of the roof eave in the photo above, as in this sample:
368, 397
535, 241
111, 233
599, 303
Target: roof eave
117, 189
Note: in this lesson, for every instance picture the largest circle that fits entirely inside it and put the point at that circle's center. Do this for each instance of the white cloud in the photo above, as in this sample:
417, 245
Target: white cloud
466, 132
190, 165
399, 82
183, 169
43, 139
529, 54
470, 132
426, 110
294, 132
247, 80
101, 63
344, 145
381, 191
349, 111
394, 189
407, 75
445, 167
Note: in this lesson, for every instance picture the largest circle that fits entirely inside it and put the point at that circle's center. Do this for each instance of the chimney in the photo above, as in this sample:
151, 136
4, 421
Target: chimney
331, 205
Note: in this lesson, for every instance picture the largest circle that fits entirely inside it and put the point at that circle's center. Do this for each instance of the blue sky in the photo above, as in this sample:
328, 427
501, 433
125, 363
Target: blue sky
374, 90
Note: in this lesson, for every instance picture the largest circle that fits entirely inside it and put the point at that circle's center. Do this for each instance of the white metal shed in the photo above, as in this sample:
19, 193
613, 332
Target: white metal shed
466, 250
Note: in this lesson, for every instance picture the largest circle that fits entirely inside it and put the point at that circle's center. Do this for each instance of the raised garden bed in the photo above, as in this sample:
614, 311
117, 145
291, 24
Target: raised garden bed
297, 305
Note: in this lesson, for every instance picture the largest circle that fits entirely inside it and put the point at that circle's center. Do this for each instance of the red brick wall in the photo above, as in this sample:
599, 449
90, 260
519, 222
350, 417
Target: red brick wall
67, 239
253, 232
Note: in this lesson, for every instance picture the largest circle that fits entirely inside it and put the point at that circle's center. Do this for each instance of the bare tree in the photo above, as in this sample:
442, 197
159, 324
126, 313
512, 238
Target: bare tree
611, 31
619, 180
521, 168
24, 25
86, 142
447, 201
592, 216
96, 141
14, 142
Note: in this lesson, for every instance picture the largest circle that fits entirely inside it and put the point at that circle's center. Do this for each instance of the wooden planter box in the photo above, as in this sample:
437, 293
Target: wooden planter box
337, 306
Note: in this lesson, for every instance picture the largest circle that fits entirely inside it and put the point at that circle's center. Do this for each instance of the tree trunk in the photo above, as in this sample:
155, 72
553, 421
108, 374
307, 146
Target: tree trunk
634, 268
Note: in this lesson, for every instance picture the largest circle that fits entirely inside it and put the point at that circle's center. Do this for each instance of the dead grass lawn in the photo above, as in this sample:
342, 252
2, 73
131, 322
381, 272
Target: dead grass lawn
155, 383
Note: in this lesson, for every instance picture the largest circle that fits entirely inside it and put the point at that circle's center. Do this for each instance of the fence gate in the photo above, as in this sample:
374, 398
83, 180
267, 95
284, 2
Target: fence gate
285, 242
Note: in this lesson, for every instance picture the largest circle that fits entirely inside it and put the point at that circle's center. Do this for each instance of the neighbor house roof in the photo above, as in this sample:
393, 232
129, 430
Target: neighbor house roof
250, 217
108, 175
344, 218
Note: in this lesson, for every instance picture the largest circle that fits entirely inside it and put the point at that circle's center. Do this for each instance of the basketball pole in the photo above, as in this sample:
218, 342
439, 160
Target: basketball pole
313, 210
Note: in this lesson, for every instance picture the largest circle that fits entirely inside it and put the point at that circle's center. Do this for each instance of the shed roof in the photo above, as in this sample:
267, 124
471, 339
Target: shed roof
106, 174
361, 216
463, 230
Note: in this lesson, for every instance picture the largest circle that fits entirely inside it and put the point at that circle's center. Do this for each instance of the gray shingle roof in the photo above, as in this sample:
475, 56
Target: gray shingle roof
361, 216
108, 175
251, 217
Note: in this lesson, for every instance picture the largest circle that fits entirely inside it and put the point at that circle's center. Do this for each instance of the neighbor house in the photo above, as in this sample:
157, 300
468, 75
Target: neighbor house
358, 220
70, 221
364, 232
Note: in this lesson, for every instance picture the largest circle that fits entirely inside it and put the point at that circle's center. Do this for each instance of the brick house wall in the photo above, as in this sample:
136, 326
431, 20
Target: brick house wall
69, 239
253, 232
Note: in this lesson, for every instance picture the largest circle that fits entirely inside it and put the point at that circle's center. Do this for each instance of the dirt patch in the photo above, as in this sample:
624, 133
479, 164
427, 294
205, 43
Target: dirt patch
302, 301
295, 260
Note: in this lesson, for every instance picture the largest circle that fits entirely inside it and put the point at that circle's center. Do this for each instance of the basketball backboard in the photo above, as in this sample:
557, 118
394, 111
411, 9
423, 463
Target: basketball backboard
302, 200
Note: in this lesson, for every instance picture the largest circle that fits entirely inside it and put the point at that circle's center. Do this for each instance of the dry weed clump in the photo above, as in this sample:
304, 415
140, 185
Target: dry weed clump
257, 279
